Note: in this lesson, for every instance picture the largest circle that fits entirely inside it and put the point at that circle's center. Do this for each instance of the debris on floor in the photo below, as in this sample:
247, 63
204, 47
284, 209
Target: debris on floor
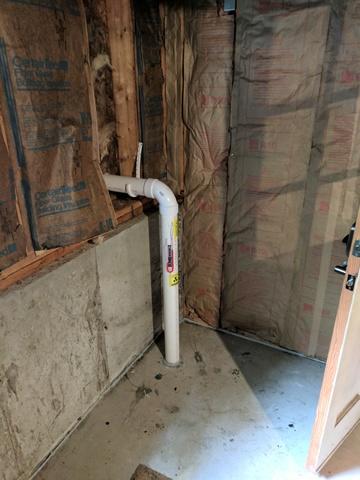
227, 409
145, 473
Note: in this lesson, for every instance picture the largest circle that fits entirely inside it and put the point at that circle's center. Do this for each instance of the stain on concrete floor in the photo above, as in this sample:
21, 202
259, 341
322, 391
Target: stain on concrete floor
248, 418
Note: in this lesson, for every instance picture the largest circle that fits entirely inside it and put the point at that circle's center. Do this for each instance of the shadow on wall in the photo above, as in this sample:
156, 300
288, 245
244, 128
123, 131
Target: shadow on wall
293, 173
156, 270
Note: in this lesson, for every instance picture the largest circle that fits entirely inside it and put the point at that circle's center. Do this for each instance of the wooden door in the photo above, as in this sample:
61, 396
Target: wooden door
339, 404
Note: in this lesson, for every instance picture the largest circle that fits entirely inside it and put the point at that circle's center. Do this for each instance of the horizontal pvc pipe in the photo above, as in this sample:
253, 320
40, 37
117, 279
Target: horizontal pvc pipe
169, 209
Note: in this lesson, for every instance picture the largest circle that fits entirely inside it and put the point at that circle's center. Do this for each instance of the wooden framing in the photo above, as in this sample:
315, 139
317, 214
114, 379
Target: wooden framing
122, 52
94, 118
36, 261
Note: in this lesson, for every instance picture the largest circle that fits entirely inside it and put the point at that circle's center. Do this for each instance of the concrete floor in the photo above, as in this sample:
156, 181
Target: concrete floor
234, 410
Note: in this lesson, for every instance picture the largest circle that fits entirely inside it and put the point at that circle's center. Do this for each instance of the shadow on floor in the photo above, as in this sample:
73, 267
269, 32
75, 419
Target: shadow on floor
233, 410
286, 386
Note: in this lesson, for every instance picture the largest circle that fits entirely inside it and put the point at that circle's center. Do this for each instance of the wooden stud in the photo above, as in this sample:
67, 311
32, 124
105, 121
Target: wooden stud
94, 120
122, 52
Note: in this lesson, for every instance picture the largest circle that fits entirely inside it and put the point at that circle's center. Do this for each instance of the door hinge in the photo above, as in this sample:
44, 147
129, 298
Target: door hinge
350, 282
356, 248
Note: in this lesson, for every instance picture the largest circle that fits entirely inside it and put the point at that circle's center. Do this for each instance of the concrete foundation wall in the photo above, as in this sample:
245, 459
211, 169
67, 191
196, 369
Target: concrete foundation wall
67, 334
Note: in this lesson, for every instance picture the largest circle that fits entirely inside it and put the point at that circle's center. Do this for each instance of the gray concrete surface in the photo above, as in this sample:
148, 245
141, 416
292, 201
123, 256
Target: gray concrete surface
234, 410
67, 334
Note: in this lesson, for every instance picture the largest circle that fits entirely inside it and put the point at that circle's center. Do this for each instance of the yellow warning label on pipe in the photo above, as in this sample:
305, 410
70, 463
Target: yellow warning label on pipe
175, 227
174, 279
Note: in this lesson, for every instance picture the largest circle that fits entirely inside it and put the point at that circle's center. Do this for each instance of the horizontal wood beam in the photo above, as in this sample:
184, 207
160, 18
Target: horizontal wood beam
36, 261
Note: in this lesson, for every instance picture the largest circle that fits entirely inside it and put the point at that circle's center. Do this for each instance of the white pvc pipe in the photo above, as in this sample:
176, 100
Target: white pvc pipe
168, 206
138, 161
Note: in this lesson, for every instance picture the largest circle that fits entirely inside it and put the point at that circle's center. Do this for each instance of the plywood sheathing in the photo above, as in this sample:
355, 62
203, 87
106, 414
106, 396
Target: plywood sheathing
208, 57
293, 172
122, 52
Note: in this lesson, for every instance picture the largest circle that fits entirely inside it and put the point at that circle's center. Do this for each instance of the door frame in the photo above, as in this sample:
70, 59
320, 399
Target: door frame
333, 362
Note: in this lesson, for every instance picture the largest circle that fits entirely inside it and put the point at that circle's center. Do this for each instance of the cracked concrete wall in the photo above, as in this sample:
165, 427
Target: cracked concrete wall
67, 334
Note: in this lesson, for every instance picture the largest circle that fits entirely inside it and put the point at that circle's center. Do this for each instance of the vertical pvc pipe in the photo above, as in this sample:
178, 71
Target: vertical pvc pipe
169, 225
170, 282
